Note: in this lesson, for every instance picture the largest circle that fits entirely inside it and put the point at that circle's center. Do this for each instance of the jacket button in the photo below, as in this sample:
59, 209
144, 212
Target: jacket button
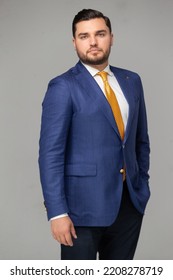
122, 171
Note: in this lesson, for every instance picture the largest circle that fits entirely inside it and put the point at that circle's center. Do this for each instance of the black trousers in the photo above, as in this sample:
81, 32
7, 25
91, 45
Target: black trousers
115, 242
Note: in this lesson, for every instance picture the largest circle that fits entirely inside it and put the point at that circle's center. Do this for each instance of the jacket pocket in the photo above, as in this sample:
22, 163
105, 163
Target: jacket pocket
80, 169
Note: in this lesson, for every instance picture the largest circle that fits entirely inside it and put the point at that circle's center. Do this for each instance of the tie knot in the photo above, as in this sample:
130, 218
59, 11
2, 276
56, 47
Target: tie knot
103, 75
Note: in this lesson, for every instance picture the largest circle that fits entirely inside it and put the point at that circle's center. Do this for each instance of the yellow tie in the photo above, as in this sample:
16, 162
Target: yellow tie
113, 103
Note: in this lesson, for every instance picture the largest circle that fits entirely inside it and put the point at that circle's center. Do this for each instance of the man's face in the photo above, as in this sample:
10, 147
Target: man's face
93, 42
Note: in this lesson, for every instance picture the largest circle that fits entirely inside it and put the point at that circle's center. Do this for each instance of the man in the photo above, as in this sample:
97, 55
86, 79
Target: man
94, 150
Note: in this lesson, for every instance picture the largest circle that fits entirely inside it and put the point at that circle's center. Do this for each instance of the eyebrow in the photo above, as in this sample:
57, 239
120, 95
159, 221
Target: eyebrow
97, 32
81, 34
101, 31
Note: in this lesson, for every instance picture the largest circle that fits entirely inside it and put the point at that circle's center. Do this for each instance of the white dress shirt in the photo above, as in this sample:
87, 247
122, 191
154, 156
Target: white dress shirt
124, 107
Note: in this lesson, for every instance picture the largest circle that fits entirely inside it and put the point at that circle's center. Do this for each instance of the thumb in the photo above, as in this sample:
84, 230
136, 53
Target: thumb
73, 232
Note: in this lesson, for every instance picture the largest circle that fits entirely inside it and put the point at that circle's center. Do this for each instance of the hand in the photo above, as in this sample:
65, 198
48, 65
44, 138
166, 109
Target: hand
63, 230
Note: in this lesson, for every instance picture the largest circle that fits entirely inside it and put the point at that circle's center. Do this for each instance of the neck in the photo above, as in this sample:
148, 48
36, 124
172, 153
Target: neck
100, 67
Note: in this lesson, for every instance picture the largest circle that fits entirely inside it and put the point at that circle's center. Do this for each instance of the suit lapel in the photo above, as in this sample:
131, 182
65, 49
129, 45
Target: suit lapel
91, 88
125, 83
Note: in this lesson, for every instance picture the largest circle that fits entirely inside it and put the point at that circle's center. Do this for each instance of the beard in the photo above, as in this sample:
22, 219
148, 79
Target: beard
94, 59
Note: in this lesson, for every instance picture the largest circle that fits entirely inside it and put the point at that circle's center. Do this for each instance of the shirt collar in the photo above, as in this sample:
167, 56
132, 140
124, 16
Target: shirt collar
93, 71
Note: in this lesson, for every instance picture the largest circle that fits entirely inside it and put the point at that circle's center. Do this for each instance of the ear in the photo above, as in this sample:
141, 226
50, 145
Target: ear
112, 39
74, 43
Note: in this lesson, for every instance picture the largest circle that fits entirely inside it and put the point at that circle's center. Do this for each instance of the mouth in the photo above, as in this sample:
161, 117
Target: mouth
94, 50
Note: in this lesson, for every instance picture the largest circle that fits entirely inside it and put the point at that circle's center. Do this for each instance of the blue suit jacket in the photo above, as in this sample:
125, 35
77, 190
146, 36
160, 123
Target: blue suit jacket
81, 152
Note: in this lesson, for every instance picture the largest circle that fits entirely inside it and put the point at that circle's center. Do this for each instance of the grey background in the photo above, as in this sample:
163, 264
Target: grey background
36, 45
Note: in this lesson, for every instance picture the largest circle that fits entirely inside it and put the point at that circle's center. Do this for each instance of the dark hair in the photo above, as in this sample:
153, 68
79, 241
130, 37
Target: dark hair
87, 14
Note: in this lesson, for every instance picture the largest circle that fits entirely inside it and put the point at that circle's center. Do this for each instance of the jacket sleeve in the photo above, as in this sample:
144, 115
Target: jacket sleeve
55, 123
142, 141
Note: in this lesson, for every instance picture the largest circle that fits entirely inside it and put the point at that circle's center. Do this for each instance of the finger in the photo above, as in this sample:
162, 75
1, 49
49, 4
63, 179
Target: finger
63, 240
69, 239
57, 238
73, 232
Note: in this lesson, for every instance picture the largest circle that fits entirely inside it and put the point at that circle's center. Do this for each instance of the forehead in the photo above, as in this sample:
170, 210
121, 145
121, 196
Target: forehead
90, 26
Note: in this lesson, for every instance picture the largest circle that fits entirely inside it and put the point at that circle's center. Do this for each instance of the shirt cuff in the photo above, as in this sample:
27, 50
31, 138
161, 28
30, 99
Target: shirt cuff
59, 216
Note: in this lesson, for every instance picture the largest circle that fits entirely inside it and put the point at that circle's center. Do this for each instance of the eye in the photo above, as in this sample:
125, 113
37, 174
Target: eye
83, 37
101, 34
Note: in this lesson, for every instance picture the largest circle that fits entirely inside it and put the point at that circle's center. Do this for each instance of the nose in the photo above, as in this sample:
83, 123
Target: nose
93, 41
